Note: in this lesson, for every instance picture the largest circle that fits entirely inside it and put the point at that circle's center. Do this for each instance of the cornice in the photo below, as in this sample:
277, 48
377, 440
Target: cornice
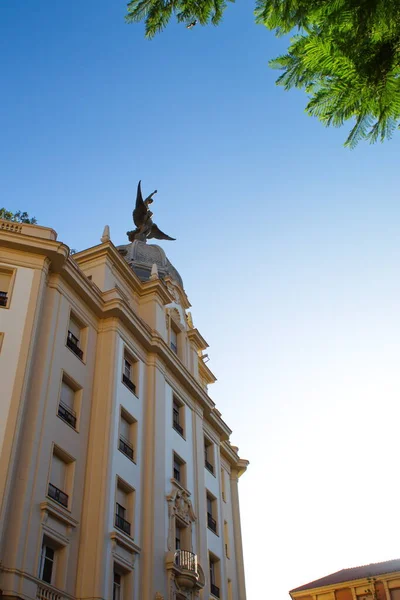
233, 458
351, 583
206, 373
56, 251
195, 337
155, 287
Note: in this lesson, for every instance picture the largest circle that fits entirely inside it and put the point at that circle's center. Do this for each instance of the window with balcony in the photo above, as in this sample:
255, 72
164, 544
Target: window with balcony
6, 276
211, 512
117, 585
209, 455
124, 507
178, 415
127, 434
214, 575
67, 403
129, 372
179, 470
74, 336
61, 474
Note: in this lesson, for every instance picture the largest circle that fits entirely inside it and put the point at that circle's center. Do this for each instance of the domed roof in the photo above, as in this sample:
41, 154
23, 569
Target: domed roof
141, 256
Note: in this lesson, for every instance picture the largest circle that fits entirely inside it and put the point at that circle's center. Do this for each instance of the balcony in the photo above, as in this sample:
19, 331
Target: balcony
215, 590
126, 447
67, 414
211, 522
73, 344
57, 495
177, 427
123, 525
47, 592
188, 573
129, 383
208, 465
3, 298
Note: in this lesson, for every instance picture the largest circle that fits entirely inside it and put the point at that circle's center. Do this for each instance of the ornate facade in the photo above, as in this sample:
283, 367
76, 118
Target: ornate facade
117, 476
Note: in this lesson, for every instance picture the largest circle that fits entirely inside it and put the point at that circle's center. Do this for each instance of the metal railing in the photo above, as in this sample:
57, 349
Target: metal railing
209, 466
177, 474
126, 447
3, 298
211, 522
57, 495
129, 383
186, 560
72, 343
44, 592
67, 414
215, 590
122, 524
176, 425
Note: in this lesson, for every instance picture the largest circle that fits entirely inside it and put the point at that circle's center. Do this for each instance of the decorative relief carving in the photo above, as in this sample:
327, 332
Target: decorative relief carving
180, 506
159, 596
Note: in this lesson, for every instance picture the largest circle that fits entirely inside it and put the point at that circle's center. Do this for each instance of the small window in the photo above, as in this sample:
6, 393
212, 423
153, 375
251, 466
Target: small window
179, 470
209, 455
211, 512
127, 434
61, 477
174, 340
214, 575
6, 276
124, 507
223, 489
129, 372
178, 415
74, 336
226, 539
178, 536
47, 560
66, 406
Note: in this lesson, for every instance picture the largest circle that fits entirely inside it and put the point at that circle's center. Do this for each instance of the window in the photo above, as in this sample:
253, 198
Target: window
117, 586
60, 477
178, 544
214, 575
209, 455
226, 539
127, 434
124, 507
47, 558
178, 416
5, 287
129, 372
67, 403
174, 340
211, 512
230, 597
74, 336
223, 490
179, 470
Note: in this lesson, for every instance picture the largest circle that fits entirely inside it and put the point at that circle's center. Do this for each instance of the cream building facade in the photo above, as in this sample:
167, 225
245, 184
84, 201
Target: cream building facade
117, 477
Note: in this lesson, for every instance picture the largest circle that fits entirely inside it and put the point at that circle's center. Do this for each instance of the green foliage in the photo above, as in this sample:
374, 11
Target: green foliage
17, 217
346, 55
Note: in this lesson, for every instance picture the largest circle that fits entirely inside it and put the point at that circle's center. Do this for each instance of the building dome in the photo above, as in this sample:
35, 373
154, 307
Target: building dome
142, 256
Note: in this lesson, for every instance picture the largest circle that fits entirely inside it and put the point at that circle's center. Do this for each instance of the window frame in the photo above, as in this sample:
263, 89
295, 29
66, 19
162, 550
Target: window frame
6, 270
74, 412
78, 349
212, 517
209, 452
178, 407
129, 514
69, 463
130, 442
132, 381
176, 459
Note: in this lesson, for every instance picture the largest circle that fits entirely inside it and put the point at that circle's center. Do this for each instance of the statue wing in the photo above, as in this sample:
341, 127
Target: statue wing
155, 232
140, 210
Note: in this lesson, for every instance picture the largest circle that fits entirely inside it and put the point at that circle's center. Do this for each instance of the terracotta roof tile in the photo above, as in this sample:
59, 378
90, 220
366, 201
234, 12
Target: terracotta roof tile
372, 570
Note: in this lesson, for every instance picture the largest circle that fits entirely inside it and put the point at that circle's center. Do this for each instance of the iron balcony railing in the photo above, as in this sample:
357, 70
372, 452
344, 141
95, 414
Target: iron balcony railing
67, 414
208, 465
186, 560
211, 522
215, 590
57, 495
3, 298
126, 447
176, 425
122, 524
73, 344
129, 383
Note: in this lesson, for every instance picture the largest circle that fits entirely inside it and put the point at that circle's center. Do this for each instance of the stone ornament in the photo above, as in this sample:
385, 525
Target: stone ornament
142, 218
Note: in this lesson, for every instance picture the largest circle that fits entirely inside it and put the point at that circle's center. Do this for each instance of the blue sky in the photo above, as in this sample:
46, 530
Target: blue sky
288, 245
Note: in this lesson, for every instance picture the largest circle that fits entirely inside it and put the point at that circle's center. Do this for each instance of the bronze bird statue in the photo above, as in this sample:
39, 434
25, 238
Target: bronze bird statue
142, 217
